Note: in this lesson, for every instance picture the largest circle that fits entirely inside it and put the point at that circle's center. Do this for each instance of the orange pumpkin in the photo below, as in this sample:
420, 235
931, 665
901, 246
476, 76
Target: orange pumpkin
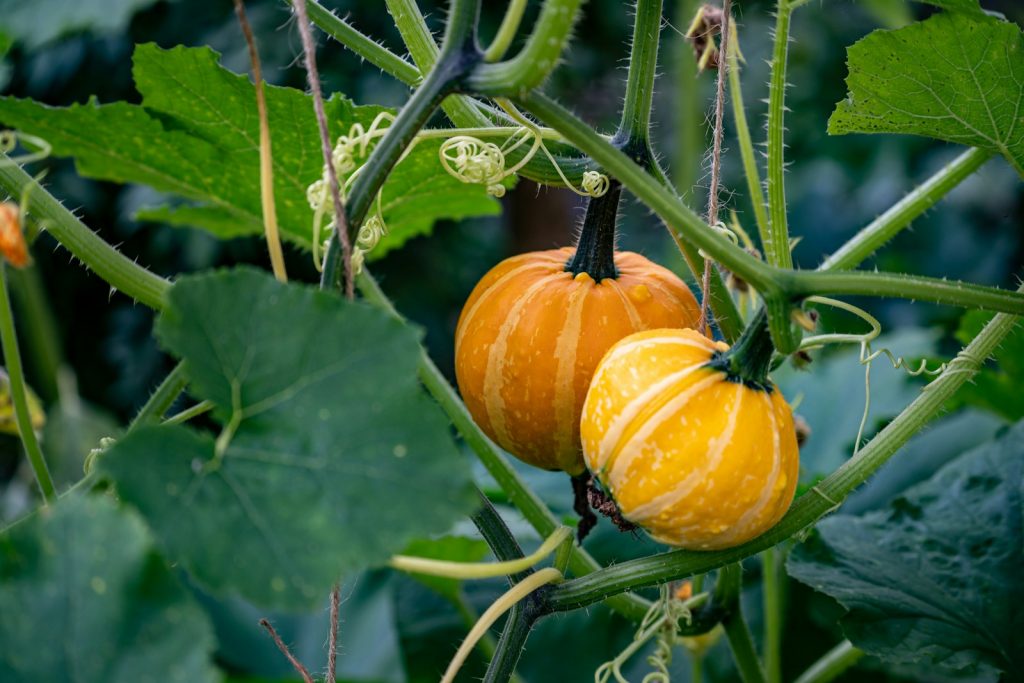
532, 333
696, 454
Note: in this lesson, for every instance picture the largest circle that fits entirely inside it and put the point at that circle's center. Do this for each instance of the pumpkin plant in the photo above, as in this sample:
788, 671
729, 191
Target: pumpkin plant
309, 457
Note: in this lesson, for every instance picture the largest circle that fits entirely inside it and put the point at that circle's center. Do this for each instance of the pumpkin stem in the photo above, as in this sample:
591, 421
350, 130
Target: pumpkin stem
595, 250
750, 358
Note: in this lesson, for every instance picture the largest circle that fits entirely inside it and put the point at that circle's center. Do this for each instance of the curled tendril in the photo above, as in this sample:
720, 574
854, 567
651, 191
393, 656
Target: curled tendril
867, 356
726, 231
9, 140
348, 156
474, 161
661, 623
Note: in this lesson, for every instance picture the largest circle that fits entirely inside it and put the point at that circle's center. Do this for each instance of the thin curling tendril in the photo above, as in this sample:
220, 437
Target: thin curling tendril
9, 140
867, 356
660, 622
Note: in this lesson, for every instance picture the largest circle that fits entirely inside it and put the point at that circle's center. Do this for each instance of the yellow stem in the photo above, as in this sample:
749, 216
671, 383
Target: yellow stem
479, 570
494, 612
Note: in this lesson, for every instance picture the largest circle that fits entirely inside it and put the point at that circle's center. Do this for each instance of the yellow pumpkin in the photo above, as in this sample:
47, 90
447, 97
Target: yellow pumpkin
532, 333
691, 452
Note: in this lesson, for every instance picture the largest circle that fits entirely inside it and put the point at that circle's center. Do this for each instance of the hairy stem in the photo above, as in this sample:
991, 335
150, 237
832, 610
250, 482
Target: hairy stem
538, 58
373, 52
728, 591
511, 644
411, 118
746, 144
119, 271
832, 664
899, 216
39, 331
810, 507
635, 124
777, 246
162, 398
19, 394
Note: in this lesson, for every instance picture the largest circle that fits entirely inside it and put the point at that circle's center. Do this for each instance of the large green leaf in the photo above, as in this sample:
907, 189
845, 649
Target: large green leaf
196, 135
38, 22
936, 577
954, 77
84, 597
332, 459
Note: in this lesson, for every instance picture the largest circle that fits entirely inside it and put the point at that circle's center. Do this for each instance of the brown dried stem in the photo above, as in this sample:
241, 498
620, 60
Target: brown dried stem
716, 153
303, 671
340, 224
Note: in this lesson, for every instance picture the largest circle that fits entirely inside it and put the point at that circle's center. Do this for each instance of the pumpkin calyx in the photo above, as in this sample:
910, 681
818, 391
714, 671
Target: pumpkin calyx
750, 358
595, 250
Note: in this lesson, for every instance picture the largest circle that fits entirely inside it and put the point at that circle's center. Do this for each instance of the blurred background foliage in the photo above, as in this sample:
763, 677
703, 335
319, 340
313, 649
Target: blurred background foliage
394, 628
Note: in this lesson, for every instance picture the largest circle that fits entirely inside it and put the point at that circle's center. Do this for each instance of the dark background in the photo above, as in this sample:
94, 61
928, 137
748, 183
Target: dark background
835, 185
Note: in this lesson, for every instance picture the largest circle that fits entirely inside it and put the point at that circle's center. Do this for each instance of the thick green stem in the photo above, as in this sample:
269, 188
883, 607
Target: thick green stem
889, 224
162, 398
688, 132
773, 583
913, 287
512, 642
832, 664
411, 118
747, 153
19, 395
373, 52
730, 588
537, 514
749, 359
595, 250
635, 124
777, 246
659, 198
809, 508
538, 58
119, 271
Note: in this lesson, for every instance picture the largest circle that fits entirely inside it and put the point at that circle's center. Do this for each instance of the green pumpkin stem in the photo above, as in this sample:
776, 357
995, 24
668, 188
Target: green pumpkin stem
750, 358
595, 250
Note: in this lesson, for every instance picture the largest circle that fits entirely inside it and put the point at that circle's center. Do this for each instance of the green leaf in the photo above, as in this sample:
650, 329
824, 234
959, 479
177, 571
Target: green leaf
196, 136
85, 597
997, 388
954, 77
39, 22
934, 578
969, 6
333, 458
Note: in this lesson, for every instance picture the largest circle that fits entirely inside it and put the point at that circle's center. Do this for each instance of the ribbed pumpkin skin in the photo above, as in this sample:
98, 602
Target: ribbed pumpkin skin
531, 335
696, 459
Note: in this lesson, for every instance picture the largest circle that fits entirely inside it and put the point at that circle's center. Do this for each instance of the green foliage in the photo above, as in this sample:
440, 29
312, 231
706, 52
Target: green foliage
936, 576
954, 77
42, 21
85, 597
331, 460
196, 135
